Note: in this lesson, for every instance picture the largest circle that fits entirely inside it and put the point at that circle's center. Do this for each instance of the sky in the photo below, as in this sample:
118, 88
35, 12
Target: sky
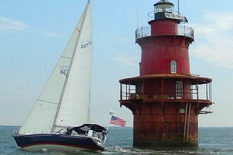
34, 33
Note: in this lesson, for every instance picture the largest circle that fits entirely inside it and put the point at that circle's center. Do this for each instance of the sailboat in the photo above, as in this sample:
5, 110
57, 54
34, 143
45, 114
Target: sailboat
60, 118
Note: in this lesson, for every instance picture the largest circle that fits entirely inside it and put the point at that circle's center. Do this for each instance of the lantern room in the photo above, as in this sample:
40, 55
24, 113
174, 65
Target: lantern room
164, 6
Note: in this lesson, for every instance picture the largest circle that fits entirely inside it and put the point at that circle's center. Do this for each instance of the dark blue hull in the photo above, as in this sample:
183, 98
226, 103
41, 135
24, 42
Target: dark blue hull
49, 141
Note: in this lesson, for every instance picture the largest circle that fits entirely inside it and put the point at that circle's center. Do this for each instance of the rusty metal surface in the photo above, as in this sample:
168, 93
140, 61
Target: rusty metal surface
165, 103
165, 125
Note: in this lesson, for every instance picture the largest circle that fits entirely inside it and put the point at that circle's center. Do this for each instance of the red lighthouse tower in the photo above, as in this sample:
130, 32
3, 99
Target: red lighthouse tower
165, 99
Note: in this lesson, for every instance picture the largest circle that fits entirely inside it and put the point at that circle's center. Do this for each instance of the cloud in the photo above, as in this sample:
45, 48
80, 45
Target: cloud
130, 61
9, 25
215, 39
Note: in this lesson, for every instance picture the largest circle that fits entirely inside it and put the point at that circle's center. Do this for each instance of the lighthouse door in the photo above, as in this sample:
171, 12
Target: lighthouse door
179, 89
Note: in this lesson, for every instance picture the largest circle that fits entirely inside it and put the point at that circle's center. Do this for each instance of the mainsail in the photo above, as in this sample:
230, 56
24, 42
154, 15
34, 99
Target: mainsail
65, 99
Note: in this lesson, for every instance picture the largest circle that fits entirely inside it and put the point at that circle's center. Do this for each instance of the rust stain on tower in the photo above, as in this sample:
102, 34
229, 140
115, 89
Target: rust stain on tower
166, 98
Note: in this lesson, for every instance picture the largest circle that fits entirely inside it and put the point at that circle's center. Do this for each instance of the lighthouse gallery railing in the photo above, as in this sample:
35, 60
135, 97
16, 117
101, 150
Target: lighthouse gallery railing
129, 92
182, 30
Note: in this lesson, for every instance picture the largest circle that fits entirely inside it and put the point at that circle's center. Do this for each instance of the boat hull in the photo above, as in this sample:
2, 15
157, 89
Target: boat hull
57, 142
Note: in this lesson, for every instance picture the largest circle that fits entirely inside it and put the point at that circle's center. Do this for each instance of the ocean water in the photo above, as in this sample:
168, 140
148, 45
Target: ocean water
212, 141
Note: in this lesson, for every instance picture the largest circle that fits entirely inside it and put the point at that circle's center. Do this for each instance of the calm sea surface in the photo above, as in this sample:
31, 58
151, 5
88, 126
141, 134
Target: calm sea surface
211, 141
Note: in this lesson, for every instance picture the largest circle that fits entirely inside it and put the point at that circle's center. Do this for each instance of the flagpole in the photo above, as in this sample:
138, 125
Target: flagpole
111, 112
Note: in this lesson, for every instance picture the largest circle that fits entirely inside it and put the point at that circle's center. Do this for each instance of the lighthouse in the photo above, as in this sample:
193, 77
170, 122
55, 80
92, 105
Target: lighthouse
165, 99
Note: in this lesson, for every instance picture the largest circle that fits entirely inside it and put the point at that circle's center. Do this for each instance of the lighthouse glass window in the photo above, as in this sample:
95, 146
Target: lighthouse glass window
164, 8
173, 66
179, 89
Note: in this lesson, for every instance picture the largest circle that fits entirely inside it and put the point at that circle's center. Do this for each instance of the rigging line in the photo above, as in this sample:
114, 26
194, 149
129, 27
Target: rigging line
47, 101
65, 57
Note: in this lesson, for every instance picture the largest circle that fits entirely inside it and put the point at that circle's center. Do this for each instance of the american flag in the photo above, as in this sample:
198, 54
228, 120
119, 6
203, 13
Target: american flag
117, 121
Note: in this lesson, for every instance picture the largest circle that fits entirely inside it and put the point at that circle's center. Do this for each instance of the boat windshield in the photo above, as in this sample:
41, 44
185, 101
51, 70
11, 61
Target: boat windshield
90, 130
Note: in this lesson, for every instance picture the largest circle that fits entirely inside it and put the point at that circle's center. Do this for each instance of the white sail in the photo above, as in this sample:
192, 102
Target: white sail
64, 80
75, 104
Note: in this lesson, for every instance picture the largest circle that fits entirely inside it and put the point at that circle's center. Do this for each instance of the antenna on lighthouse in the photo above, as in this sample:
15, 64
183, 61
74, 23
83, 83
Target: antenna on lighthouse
137, 13
178, 6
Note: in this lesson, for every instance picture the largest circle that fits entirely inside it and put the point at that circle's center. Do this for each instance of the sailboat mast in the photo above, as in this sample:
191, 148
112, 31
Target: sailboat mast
79, 29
